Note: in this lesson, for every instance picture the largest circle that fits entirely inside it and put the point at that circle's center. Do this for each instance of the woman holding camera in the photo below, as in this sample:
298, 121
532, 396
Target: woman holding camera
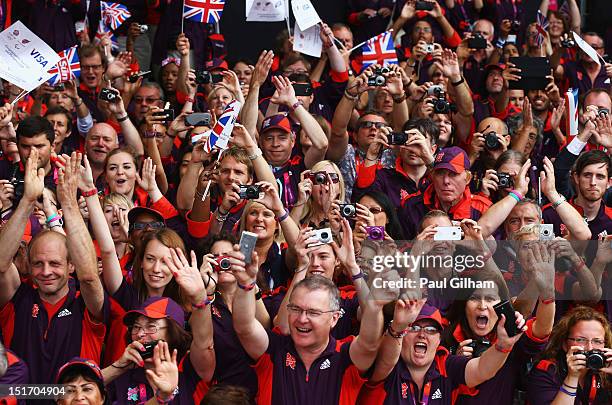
474, 317
576, 367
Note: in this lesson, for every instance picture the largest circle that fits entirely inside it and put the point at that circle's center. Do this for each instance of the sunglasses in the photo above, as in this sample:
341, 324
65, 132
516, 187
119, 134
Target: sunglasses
139, 226
370, 124
323, 177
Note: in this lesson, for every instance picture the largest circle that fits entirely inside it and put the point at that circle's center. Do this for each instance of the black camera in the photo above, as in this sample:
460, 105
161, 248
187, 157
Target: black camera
441, 104
348, 210
167, 114
59, 87
477, 42
595, 359
567, 42
603, 112
249, 192
18, 187
491, 141
515, 26
397, 138
205, 77
377, 79
480, 346
148, 349
424, 6
505, 180
110, 95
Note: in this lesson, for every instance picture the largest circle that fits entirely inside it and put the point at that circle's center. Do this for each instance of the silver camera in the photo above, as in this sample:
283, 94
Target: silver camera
143, 28
323, 236
429, 48
547, 232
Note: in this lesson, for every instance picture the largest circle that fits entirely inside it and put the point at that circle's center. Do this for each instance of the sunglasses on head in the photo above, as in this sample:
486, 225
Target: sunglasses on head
139, 226
370, 124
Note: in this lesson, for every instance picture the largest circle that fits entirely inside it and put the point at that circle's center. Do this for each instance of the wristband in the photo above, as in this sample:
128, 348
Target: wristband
394, 334
566, 392
221, 217
296, 105
350, 96
358, 276
457, 83
255, 155
52, 218
124, 118
89, 193
150, 134
516, 197
502, 350
519, 195
248, 287
161, 400
400, 99
559, 202
579, 266
283, 217
204, 303
547, 301
569, 386
189, 100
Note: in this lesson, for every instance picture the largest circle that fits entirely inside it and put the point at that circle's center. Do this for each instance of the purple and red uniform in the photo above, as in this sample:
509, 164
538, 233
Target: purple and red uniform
283, 379
600, 225
46, 336
16, 373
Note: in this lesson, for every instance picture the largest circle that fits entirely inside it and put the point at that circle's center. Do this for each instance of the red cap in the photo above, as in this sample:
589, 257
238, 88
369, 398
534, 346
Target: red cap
431, 312
216, 64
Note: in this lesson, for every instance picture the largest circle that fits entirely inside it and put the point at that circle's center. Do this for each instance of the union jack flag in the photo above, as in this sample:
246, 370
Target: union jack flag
379, 50
221, 132
114, 14
571, 105
541, 26
67, 68
203, 11
103, 29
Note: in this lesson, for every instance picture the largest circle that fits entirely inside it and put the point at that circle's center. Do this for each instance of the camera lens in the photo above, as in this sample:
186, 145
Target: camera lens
380, 80
348, 211
595, 360
224, 263
320, 178
324, 237
491, 141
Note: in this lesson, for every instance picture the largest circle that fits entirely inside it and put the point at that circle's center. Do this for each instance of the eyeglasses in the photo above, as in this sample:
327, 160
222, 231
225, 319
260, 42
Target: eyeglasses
289, 72
424, 29
139, 226
581, 341
148, 330
310, 313
91, 67
148, 100
370, 124
430, 330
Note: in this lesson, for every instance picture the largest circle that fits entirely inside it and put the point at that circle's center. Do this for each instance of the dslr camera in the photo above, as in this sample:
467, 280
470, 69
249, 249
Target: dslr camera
595, 359
477, 42
348, 210
249, 192
375, 232
377, 79
440, 103
223, 264
480, 346
491, 141
567, 42
110, 95
505, 180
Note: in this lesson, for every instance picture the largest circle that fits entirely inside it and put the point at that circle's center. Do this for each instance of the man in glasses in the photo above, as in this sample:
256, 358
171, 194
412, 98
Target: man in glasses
92, 70
408, 175
585, 74
149, 95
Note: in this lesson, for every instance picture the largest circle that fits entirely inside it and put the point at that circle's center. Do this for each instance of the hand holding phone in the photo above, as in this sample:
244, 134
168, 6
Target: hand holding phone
505, 308
247, 245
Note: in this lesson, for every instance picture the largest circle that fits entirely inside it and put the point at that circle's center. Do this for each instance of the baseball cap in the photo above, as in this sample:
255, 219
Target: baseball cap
157, 308
83, 364
494, 66
216, 63
278, 121
136, 211
431, 312
453, 158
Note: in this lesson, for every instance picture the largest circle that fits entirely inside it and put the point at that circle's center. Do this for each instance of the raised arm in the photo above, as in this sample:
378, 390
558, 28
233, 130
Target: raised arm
182, 45
80, 246
252, 335
336, 61
250, 110
541, 261
395, 87
242, 138
13, 230
129, 131
364, 348
407, 13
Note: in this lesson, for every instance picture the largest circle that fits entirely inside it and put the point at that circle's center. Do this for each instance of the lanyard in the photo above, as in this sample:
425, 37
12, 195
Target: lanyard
593, 389
142, 393
426, 391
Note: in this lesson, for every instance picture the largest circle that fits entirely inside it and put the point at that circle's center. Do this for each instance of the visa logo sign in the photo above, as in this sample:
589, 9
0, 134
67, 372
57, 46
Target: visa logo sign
38, 57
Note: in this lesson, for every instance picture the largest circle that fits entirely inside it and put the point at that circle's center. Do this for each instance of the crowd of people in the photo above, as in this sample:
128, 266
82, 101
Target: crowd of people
140, 262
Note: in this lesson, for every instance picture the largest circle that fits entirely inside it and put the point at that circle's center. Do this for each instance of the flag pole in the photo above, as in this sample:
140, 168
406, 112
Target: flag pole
361, 43
207, 189
19, 97
287, 17
183, 20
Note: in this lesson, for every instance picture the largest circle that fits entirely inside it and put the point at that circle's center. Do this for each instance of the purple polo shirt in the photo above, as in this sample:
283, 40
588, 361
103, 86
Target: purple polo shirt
283, 379
233, 363
133, 388
545, 381
579, 79
47, 344
444, 380
600, 224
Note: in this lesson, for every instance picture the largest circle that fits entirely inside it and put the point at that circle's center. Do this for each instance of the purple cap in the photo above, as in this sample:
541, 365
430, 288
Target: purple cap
431, 312
80, 363
216, 64
453, 158
278, 121
157, 308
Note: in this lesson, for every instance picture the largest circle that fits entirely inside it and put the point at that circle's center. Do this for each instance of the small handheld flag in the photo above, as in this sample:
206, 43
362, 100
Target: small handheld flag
222, 130
541, 26
203, 11
114, 14
68, 67
379, 50
572, 111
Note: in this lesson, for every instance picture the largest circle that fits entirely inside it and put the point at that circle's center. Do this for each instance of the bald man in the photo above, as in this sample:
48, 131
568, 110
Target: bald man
100, 140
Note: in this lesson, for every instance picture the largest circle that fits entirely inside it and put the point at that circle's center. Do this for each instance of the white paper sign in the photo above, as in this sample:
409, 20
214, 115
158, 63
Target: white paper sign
305, 14
25, 58
308, 42
588, 49
265, 10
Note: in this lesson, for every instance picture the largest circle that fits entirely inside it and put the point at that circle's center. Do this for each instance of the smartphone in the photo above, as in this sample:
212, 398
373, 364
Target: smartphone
533, 73
198, 119
477, 43
448, 233
148, 352
505, 308
168, 113
134, 78
547, 232
247, 245
302, 89
424, 5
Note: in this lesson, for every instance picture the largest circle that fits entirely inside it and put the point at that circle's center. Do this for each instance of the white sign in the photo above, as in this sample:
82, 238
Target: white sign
586, 48
24, 58
308, 42
305, 14
265, 10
